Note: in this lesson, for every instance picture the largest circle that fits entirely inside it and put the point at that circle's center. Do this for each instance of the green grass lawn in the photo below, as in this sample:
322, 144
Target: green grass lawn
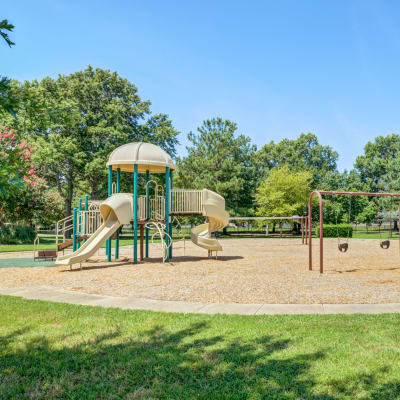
52, 351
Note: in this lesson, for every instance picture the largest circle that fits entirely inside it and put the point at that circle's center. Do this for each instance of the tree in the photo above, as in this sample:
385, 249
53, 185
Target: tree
391, 179
23, 195
6, 27
374, 164
303, 153
15, 163
220, 161
283, 193
8, 99
82, 118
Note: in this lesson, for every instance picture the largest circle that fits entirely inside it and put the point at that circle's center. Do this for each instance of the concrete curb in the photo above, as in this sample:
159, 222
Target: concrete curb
132, 303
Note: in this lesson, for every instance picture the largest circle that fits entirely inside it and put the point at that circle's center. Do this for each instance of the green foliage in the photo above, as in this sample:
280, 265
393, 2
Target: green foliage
368, 214
341, 230
391, 179
283, 193
15, 164
12, 234
301, 154
77, 120
6, 27
374, 164
220, 161
9, 101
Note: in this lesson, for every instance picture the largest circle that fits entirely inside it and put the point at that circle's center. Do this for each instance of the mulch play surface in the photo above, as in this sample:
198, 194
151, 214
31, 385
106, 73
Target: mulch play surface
247, 271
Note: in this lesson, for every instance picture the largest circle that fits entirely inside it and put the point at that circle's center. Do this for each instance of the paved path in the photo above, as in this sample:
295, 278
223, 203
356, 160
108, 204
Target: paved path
132, 303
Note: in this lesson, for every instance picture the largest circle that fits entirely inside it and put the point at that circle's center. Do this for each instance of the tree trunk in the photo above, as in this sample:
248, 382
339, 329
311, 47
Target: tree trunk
396, 225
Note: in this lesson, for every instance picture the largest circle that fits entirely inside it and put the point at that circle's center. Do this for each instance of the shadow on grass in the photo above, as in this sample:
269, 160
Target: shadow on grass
160, 364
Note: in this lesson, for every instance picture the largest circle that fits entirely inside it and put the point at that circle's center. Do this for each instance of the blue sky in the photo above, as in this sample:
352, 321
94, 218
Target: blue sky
276, 68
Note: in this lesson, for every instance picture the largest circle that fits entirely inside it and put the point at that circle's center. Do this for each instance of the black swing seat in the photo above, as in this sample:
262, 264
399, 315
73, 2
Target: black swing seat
385, 244
343, 247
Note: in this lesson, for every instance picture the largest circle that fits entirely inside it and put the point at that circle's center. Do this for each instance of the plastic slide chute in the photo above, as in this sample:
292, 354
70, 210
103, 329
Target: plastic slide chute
217, 218
115, 211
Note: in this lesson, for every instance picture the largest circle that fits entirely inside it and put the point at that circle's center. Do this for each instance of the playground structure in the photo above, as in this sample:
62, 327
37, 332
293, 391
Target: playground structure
144, 211
341, 246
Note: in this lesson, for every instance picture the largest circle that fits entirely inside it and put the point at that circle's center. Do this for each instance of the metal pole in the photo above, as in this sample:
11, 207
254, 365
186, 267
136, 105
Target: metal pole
171, 205
167, 209
135, 221
108, 243
398, 217
79, 221
118, 189
302, 230
74, 218
147, 211
321, 235
321, 231
86, 210
306, 229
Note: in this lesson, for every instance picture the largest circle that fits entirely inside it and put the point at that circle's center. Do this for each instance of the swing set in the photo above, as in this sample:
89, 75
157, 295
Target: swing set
342, 246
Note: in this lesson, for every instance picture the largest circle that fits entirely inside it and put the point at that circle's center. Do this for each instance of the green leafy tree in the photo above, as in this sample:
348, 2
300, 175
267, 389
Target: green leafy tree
6, 27
391, 179
368, 213
284, 192
8, 99
374, 164
219, 160
24, 197
303, 153
82, 118
15, 163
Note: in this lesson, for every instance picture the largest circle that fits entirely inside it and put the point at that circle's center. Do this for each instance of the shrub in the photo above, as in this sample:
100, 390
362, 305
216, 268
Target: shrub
12, 234
332, 230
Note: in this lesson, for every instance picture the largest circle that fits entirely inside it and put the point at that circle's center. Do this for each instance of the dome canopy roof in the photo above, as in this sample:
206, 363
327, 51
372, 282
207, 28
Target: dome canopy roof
147, 156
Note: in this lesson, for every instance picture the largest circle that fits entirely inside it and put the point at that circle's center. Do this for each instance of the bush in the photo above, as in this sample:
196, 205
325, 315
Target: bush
13, 234
332, 230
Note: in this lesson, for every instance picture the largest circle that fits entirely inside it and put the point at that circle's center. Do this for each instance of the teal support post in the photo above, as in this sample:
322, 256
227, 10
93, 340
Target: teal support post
135, 219
74, 218
171, 205
86, 209
79, 222
118, 190
108, 243
147, 212
167, 210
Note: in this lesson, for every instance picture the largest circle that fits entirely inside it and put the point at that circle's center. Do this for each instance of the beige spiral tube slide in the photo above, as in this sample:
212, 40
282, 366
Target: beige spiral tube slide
115, 211
218, 218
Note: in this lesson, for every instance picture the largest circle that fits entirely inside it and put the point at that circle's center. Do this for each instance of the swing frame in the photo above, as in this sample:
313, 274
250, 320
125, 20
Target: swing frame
320, 193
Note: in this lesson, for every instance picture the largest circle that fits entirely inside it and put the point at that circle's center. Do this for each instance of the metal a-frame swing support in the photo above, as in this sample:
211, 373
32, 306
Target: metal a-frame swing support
320, 193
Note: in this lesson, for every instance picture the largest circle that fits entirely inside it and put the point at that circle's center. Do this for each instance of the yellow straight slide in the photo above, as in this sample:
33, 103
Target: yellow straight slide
218, 218
115, 211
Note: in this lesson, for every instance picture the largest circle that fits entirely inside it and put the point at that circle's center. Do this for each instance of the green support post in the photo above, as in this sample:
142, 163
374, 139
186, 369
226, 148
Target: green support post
118, 190
86, 209
135, 221
74, 217
147, 211
108, 244
79, 222
171, 205
166, 217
